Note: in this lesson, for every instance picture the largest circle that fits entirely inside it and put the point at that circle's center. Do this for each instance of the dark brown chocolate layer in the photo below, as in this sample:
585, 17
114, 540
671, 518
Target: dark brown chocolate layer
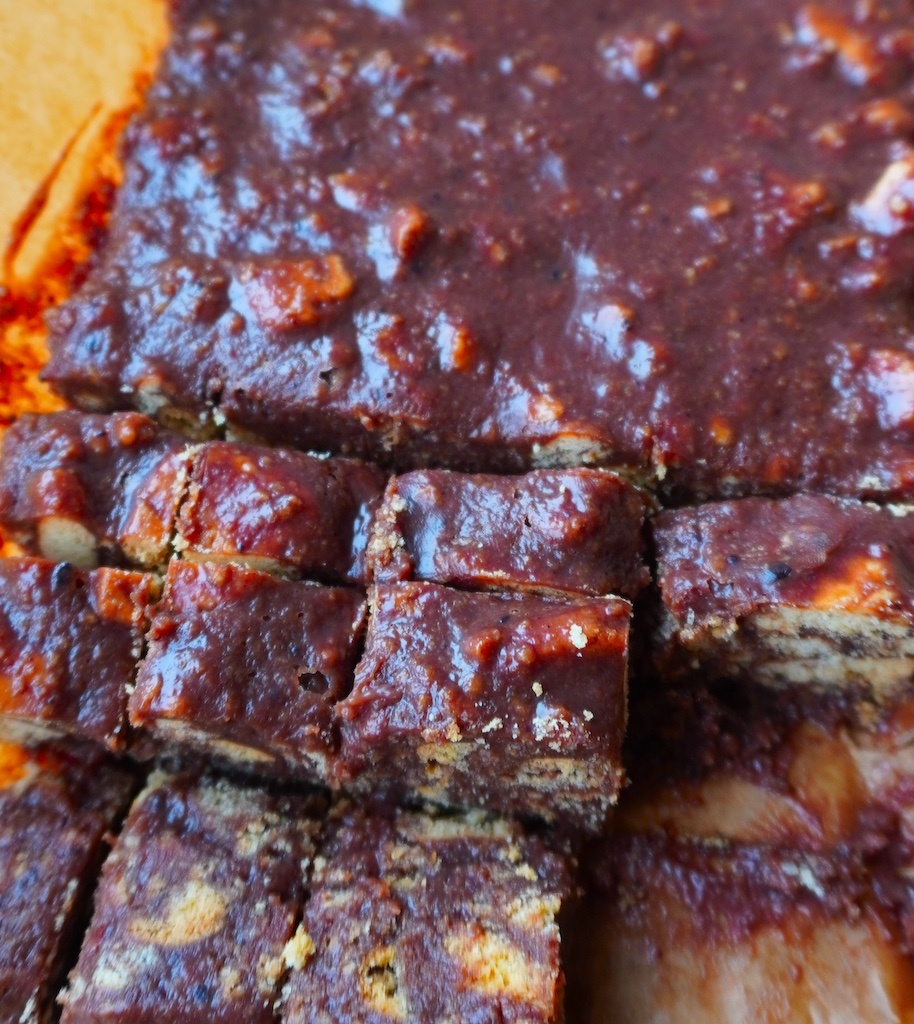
551, 531
434, 920
54, 813
725, 559
69, 643
516, 703
83, 489
196, 904
489, 237
248, 667
280, 511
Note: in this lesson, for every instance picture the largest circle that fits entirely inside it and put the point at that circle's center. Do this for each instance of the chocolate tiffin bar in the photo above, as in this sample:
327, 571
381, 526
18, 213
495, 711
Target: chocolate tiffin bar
808, 590
517, 703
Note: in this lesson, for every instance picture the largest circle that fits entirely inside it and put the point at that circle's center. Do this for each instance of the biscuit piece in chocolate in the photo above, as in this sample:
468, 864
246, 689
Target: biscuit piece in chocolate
87, 488
704, 934
54, 813
248, 666
415, 918
484, 700
196, 904
564, 531
808, 590
280, 511
69, 643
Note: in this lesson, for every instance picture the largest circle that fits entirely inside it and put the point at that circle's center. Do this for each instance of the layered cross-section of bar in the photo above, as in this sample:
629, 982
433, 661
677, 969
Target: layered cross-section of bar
237, 904
69, 642
249, 667
809, 590
413, 918
491, 700
54, 813
549, 531
196, 906
511, 702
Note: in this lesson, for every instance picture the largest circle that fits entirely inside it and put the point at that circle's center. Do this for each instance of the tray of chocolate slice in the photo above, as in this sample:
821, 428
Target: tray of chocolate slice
457, 512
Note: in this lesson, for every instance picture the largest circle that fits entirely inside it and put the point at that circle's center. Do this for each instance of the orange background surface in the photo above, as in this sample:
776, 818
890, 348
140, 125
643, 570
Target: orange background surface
69, 70
65, 67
